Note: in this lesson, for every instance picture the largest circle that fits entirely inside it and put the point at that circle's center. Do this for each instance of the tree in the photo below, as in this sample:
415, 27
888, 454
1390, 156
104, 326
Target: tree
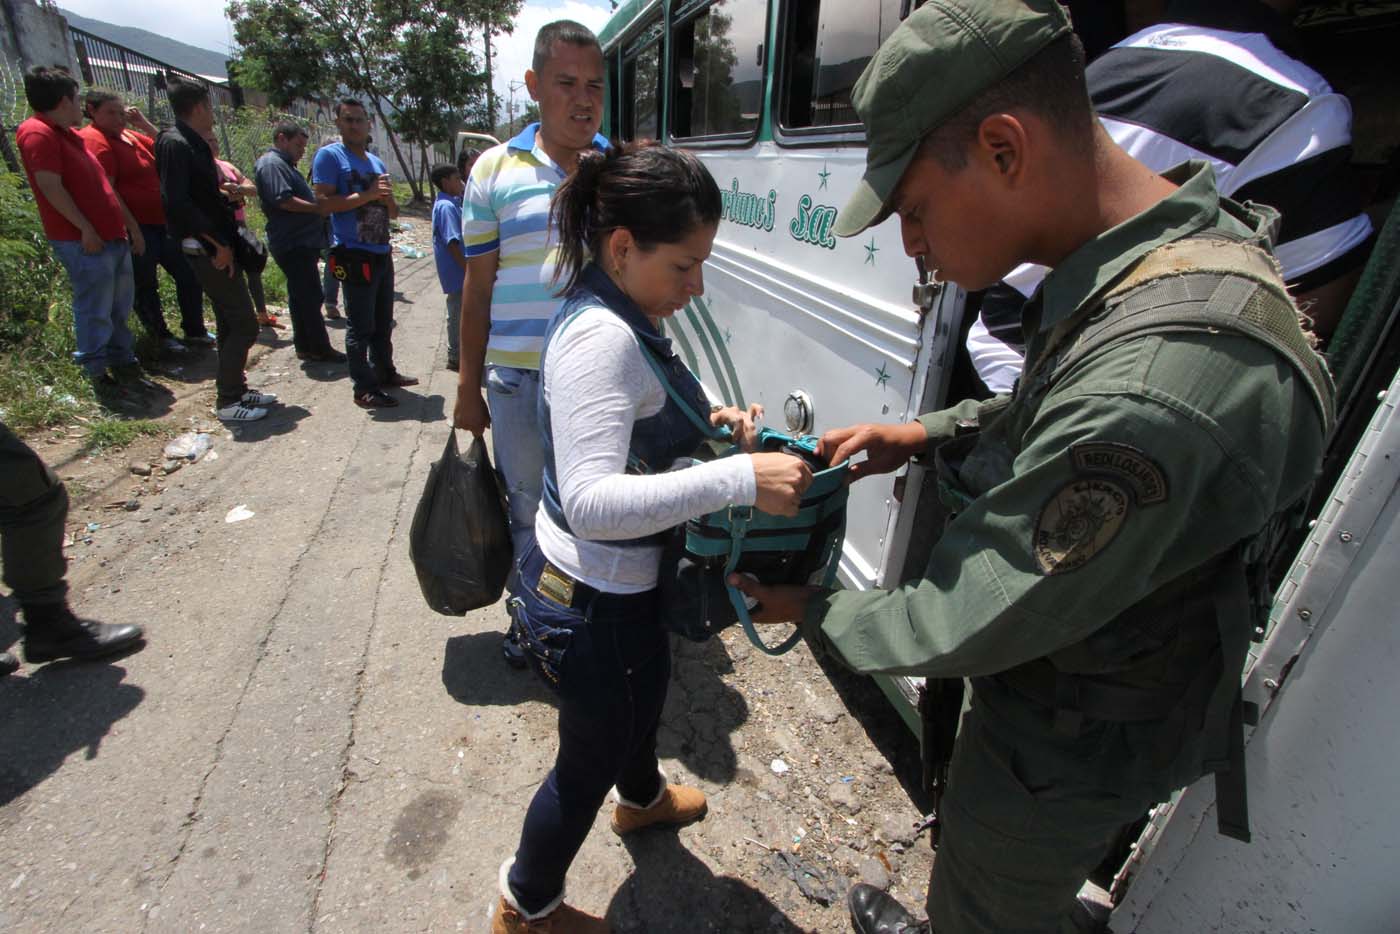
394, 53
493, 18
434, 82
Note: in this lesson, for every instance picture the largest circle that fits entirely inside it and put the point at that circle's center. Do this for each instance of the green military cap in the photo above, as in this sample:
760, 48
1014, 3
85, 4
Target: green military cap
940, 58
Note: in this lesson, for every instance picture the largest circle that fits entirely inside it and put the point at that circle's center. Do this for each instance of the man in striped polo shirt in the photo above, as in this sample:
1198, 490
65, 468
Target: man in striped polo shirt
1218, 81
509, 293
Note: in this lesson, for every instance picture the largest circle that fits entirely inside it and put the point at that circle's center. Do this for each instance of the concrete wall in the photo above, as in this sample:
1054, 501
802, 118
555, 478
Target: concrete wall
36, 35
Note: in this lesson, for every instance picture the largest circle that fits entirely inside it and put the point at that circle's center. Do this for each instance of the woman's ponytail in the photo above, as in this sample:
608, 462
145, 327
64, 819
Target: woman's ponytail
572, 215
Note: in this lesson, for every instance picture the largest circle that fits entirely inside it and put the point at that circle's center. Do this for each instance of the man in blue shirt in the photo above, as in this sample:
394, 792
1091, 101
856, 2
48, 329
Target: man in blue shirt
295, 235
352, 184
447, 249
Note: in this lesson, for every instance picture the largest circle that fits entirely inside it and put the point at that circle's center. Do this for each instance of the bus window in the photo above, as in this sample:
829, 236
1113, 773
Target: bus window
641, 94
717, 68
828, 45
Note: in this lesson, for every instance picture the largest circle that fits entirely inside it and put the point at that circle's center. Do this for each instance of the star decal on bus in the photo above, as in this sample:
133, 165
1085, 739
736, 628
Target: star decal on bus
870, 250
882, 376
823, 175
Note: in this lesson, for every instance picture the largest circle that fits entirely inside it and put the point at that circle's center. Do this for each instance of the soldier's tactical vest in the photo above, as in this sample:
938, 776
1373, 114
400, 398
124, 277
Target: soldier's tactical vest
1179, 653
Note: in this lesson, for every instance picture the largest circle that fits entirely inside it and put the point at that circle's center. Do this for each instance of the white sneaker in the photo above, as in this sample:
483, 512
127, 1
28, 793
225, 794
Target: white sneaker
239, 413
253, 397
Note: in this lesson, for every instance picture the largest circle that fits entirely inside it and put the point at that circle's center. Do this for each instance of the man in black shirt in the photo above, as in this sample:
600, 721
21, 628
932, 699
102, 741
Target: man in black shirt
200, 217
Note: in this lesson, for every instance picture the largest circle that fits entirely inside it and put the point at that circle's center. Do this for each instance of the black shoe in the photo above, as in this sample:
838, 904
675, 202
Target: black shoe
874, 912
323, 356
452, 364
511, 650
200, 340
8, 664
60, 634
398, 379
375, 399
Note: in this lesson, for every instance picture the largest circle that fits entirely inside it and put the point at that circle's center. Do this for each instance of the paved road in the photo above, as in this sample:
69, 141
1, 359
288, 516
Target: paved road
303, 746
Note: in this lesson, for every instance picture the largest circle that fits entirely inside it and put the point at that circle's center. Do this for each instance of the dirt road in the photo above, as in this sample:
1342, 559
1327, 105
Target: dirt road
303, 746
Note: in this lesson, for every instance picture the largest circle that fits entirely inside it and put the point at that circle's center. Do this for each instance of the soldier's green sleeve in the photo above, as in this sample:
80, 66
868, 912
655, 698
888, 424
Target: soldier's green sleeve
1060, 549
943, 424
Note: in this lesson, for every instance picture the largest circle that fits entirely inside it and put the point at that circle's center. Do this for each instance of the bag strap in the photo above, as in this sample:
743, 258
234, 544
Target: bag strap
739, 517
709, 431
1208, 283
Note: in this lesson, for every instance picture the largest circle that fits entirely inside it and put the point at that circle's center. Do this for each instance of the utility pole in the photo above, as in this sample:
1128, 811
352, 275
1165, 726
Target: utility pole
510, 120
490, 93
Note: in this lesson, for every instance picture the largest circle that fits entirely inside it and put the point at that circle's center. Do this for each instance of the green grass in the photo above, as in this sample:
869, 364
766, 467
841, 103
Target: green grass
40, 385
115, 433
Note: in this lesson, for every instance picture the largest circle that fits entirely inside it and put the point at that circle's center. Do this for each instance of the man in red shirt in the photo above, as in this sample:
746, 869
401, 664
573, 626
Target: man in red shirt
84, 224
128, 157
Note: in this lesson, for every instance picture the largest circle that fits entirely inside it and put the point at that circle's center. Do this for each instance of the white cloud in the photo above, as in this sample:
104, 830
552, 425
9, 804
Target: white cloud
513, 52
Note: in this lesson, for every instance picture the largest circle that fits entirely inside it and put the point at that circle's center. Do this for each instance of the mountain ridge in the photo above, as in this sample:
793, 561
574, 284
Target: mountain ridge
180, 54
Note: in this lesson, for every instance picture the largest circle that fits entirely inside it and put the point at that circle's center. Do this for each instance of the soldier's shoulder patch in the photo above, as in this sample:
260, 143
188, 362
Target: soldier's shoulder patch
1078, 522
1123, 462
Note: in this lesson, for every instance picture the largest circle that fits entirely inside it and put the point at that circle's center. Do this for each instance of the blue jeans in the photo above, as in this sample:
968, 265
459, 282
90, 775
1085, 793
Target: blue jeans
453, 301
103, 291
304, 299
512, 396
163, 250
609, 661
330, 285
369, 315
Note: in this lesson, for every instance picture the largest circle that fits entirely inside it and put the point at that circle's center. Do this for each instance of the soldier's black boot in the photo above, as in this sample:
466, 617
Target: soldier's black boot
8, 664
874, 912
51, 631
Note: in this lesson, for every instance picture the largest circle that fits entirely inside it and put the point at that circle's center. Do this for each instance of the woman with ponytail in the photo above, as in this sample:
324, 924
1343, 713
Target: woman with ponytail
635, 225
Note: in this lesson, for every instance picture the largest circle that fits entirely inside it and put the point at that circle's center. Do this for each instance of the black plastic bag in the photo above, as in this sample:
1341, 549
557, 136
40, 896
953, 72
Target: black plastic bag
460, 540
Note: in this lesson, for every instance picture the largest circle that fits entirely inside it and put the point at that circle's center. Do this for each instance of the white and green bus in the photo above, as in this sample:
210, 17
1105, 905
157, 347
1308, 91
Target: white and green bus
827, 332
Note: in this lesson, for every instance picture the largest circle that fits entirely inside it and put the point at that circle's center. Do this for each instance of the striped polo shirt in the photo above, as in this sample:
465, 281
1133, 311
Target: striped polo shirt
506, 209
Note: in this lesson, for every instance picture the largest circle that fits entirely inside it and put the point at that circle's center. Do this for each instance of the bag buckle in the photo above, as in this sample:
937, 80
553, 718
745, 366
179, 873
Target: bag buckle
739, 518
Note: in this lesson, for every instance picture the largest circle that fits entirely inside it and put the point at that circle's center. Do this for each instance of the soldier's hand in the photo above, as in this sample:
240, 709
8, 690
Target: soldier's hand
778, 604
470, 412
886, 447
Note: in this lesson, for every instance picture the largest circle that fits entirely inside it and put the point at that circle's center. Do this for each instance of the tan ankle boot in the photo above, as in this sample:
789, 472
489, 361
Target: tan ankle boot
562, 920
678, 804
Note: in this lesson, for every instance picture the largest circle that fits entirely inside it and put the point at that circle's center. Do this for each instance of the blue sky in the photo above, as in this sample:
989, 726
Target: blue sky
203, 24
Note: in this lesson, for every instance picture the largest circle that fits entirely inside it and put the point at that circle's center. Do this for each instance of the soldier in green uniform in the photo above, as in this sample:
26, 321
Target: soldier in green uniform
1098, 582
33, 509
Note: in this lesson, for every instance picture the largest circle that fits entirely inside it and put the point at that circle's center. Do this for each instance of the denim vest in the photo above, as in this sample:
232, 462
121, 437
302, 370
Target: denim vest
658, 440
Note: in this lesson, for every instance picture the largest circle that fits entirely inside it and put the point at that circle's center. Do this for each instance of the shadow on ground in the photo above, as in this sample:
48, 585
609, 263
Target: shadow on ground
864, 701
701, 711
280, 420
53, 711
673, 892
700, 714
412, 407
475, 674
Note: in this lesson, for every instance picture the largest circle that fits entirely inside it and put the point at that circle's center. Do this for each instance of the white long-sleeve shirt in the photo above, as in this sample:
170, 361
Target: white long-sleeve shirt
597, 385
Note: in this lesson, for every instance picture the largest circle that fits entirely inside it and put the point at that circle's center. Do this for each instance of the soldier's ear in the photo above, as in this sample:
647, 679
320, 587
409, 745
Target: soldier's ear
1002, 142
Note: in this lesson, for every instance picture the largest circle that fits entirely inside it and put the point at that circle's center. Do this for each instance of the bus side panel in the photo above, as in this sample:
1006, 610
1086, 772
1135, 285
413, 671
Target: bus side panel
788, 306
1322, 764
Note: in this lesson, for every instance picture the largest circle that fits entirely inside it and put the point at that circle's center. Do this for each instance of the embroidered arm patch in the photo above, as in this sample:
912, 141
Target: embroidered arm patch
1077, 523
1084, 515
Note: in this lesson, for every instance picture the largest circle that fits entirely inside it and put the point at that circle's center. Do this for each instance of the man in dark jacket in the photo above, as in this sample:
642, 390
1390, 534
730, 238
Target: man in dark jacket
200, 217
